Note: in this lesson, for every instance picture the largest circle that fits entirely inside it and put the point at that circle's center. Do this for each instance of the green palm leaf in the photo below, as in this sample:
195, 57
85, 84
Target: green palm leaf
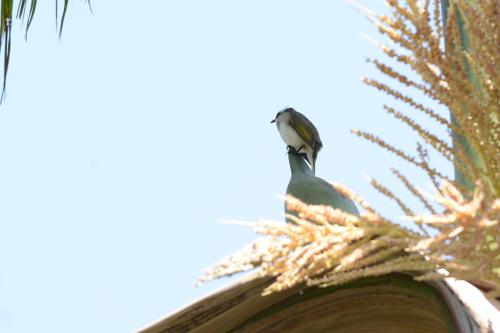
24, 7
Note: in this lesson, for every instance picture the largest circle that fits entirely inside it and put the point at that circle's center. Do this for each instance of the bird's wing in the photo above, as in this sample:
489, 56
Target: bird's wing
311, 137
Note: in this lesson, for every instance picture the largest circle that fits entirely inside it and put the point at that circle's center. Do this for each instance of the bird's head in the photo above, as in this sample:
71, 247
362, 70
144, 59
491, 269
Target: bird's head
281, 113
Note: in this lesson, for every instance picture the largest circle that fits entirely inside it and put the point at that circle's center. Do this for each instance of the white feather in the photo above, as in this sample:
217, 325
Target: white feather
288, 134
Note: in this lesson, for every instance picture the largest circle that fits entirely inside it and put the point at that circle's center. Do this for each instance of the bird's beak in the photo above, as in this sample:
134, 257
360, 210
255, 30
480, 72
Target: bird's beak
272, 121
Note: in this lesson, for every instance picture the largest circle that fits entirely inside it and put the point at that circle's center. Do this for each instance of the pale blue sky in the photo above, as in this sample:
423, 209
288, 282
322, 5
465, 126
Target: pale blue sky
125, 144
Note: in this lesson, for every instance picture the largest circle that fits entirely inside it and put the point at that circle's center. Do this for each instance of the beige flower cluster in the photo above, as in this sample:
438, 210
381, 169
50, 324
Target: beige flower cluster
457, 67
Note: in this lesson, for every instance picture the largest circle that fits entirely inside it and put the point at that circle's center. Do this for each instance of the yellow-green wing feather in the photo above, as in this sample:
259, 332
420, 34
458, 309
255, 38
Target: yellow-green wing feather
301, 124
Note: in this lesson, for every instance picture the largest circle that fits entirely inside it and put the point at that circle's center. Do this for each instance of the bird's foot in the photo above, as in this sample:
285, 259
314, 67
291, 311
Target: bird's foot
291, 150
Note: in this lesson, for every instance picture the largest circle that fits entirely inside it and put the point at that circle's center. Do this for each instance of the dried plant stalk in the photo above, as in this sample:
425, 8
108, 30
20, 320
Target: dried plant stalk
461, 74
321, 242
326, 246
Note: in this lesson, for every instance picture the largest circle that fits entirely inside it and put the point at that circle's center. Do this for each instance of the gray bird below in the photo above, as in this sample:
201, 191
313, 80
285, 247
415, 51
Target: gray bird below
308, 188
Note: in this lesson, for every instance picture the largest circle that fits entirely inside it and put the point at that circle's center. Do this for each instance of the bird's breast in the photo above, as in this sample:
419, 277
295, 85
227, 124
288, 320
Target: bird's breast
289, 135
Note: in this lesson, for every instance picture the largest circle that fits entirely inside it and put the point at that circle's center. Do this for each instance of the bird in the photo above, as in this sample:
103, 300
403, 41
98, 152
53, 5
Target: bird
299, 133
312, 190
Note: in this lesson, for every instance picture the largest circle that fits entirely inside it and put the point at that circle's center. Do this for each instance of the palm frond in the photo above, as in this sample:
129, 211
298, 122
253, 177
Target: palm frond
26, 12
6, 32
22, 8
